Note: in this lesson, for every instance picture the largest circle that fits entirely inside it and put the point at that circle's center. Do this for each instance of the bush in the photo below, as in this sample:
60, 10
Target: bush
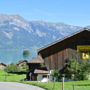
77, 71
24, 68
12, 68
71, 69
84, 70
55, 74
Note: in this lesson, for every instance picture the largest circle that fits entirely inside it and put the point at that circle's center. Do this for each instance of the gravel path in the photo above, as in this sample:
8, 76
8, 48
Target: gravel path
17, 86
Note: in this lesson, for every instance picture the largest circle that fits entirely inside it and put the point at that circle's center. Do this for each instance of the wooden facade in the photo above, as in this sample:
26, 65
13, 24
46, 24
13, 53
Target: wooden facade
55, 55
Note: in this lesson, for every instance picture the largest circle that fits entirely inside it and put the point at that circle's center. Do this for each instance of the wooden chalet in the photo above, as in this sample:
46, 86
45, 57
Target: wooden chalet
56, 54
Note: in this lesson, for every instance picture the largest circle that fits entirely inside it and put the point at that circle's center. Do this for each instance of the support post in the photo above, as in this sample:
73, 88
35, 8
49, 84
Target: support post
30, 76
63, 83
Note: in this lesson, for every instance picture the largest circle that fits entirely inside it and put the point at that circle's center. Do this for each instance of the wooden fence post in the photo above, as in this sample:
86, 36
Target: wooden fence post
73, 87
63, 83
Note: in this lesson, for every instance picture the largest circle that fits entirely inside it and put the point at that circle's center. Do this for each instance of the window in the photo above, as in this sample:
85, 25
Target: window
44, 76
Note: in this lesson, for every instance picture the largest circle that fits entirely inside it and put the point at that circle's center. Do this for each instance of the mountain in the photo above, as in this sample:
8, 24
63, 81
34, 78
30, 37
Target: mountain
18, 34
88, 26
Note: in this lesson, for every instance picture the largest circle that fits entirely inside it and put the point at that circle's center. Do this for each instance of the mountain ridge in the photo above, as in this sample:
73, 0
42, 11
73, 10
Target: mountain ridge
18, 34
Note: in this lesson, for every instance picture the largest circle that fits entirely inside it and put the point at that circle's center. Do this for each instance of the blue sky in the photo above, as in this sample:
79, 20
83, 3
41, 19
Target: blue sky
73, 12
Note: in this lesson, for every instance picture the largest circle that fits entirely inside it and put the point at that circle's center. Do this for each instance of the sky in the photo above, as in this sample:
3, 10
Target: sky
73, 12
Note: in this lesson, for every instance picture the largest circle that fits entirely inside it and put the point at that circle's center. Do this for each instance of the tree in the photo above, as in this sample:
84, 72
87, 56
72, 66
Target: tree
26, 54
24, 68
84, 71
71, 69
13, 68
77, 70
55, 74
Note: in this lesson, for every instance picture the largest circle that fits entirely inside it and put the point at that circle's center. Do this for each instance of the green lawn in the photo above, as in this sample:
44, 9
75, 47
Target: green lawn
10, 77
79, 85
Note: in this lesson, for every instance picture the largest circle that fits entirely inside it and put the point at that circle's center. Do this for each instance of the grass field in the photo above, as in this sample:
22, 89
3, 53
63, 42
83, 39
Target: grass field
78, 85
10, 77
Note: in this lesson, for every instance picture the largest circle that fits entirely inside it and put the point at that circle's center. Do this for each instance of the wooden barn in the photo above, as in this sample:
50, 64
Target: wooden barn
56, 54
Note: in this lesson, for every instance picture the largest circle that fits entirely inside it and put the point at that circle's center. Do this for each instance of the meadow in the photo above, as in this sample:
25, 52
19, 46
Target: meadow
11, 77
78, 85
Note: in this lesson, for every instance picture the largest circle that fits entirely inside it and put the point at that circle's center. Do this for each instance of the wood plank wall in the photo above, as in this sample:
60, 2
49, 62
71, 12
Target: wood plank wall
57, 60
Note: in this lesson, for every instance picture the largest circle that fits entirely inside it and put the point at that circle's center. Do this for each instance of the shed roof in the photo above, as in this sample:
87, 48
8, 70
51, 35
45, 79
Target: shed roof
37, 71
37, 59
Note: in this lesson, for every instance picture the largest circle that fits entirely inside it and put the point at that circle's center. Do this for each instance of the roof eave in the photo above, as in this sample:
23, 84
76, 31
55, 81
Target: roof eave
81, 30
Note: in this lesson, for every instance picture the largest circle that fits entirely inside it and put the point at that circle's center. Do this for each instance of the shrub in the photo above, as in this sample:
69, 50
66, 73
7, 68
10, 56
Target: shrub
77, 70
11, 68
23, 68
84, 70
55, 74
71, 69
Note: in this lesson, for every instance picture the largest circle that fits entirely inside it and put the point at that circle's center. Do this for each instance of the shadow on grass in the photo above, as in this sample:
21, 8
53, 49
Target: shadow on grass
19, 73
82, 85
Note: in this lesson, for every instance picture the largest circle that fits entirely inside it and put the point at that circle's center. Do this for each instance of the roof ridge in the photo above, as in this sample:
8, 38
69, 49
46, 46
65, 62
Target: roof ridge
81, 30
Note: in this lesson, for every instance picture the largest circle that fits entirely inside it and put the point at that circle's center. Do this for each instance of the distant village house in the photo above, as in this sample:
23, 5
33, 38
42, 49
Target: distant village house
22, 62
2, 65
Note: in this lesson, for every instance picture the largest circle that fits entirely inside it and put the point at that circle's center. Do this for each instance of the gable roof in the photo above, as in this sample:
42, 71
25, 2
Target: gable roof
66, 37
1, 63
22, 61
37, 59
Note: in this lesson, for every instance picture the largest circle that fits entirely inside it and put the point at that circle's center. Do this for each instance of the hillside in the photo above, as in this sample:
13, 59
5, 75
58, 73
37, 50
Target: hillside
17, 34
